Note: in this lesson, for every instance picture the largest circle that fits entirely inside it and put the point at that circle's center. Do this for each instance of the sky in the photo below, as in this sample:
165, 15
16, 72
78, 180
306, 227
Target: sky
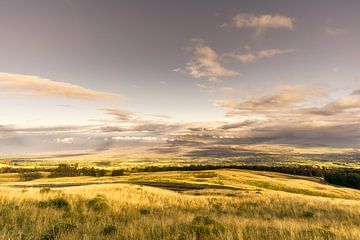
93, 75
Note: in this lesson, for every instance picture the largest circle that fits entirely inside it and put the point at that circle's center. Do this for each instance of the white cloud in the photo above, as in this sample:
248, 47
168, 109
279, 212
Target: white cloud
37, 86
255, 57
262, 23
65, 140
206, 63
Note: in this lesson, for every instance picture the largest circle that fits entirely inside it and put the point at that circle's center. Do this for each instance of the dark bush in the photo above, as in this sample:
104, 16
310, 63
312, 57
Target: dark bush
308, 214
54, 231
98, 204
28, 176
45, 190
56, 203
109, 230
144, 211
117, 172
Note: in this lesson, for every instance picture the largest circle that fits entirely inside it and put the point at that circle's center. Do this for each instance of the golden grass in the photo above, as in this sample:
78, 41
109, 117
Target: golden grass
253, 210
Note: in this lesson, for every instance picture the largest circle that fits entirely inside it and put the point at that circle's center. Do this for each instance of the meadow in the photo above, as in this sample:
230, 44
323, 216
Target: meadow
214, 204
229, 204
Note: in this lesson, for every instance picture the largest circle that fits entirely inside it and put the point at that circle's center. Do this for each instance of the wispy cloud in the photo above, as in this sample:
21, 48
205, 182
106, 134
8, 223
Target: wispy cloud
206, 63
286, 96
262, 23
335, 31
37, 86
257, 56
347, 103
68, 140
223, 90
120, 114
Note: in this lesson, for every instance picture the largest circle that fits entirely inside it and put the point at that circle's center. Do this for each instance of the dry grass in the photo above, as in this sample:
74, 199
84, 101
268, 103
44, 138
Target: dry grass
123, 211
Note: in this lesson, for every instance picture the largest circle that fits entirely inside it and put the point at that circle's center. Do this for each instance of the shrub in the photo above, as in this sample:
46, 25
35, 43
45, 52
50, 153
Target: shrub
54, 231
45, 190
117, 172
108, 230
56, 203
28, 176
308, 214
144, 211
98, 204
205, 227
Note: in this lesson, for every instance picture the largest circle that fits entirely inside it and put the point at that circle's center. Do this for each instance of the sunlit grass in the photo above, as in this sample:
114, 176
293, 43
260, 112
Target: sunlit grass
122, 211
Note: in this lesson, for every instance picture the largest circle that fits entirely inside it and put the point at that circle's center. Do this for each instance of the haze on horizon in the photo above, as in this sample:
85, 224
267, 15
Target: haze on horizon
86, 75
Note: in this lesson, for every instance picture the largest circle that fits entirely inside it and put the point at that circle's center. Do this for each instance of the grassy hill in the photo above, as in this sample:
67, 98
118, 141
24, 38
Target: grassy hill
217, 204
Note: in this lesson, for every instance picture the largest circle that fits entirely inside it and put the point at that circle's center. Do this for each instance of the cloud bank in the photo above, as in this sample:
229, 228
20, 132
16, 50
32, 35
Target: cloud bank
37, 86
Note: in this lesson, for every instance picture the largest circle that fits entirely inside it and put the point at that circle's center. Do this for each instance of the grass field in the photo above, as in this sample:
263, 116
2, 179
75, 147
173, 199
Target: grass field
218, 204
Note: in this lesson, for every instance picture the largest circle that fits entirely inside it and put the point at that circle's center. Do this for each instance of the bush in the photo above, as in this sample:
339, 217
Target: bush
54, 232
144, 211
98, 204
308, 214
109, 230
205, 227
28, 176
117, 172
45, 190
56, 203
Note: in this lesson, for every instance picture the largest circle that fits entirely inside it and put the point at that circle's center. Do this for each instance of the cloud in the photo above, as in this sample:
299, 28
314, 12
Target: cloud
120, 114
223, 90
262, 23
351, 102
113, 129
134, 138
68, 140
237, 125
37, 86
229, 91
206, 63
356, 92
286, 96
255, 57
335, 31
7, 129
